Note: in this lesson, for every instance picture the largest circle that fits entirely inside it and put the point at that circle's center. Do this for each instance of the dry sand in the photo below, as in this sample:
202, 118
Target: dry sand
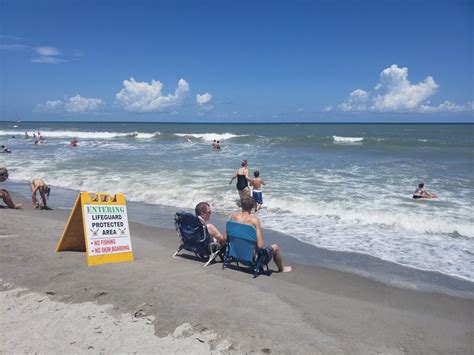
53, 303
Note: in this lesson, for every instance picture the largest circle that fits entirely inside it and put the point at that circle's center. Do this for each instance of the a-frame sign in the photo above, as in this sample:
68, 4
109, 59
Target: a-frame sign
98, 225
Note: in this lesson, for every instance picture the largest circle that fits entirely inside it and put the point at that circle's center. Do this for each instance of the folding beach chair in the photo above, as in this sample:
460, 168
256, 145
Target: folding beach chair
195, 237
242, 248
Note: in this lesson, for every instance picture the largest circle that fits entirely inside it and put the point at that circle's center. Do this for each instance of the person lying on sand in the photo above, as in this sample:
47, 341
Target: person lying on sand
246, 217
38, 185
4, 195
203, 212
421, 192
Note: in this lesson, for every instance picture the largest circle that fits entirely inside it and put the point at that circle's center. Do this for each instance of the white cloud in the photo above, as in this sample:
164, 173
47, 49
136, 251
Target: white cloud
398, 94
49, 106
327, 109
448, 106
47, 60
144, 97
83, 104
203, 99
357, 101
74, 104
48, 51
395, 93
300, 110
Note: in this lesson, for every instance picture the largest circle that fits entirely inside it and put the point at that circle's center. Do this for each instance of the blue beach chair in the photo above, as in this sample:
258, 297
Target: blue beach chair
195, 237
242, 248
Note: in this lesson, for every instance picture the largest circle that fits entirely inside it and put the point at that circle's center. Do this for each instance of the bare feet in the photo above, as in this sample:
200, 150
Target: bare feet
18, 206
287, 269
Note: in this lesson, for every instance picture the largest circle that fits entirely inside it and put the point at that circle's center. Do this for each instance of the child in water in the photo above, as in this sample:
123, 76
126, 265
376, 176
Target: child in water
257, 190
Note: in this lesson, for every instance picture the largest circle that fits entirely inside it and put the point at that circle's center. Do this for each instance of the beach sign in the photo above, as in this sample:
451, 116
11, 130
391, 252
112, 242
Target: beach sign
98, 225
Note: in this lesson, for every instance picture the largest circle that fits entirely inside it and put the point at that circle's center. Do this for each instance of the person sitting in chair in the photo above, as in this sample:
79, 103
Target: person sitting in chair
248, 203
203, 212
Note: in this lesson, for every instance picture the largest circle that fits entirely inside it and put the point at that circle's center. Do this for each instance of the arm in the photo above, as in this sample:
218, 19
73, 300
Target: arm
259, 233
33, 194
233, 177
214, 232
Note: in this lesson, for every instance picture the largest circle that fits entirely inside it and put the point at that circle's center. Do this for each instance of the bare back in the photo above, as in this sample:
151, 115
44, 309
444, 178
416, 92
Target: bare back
247, 218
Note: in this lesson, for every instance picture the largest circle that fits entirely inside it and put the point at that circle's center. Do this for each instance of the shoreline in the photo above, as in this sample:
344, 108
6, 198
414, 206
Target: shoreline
310, 310
295, 251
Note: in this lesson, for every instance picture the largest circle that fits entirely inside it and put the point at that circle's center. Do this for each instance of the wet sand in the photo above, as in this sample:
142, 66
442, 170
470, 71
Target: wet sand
311, 310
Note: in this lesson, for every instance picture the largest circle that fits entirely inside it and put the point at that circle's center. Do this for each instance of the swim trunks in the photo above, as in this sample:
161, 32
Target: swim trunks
266, 255
257, 196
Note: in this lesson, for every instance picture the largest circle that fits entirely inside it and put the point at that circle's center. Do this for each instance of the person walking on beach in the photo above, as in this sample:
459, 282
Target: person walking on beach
38, 185
242, 175
203, 212
4, 195
271, 251
257, 184
421, 192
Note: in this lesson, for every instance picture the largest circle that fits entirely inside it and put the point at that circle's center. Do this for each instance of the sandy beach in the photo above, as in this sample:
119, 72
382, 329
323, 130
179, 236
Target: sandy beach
53, 302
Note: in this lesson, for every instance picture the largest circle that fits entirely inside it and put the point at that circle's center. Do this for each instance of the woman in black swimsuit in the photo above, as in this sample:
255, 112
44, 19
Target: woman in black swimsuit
242, 176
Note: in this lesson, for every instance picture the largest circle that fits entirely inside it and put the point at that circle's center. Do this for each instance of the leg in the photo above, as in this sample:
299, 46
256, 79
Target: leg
5, 196
43, 199
278, 260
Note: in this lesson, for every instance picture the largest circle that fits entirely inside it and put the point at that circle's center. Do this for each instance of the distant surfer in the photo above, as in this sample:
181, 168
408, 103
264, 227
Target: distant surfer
421, 192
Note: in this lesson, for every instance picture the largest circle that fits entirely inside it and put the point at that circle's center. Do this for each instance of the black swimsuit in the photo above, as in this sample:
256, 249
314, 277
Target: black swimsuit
241, 182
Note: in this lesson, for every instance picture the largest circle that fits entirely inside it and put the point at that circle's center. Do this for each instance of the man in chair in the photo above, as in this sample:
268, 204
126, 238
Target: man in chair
203, 212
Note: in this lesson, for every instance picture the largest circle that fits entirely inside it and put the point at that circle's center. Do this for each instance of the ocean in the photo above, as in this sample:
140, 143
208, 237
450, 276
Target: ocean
339, 187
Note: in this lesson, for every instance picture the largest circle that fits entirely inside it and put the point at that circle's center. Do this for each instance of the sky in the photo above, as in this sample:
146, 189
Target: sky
237, 61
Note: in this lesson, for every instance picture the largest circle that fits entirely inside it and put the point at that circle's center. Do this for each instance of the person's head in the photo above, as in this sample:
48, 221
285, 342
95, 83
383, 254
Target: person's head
256, 173
244, 163
203, 210
3, 174
421, 185
214, 141
247, 204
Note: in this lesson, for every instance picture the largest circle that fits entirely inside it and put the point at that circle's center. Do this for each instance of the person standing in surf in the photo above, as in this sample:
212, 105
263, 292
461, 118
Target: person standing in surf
242, 175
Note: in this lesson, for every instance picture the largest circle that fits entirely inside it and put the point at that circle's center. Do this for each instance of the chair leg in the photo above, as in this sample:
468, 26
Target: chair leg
177, 251
211, 258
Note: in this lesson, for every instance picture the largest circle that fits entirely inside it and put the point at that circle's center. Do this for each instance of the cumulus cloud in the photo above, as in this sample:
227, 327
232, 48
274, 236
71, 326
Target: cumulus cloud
74, 104
357, 101
147, 97
327, 109
83, 104
398, 94
203, 99
395, 93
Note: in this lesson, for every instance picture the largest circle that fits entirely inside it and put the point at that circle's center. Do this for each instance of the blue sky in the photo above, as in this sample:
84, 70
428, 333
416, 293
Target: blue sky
237, 61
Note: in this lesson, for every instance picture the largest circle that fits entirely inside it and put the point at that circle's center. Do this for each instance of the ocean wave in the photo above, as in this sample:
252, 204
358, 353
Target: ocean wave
347, 140
209, 137
84, 134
